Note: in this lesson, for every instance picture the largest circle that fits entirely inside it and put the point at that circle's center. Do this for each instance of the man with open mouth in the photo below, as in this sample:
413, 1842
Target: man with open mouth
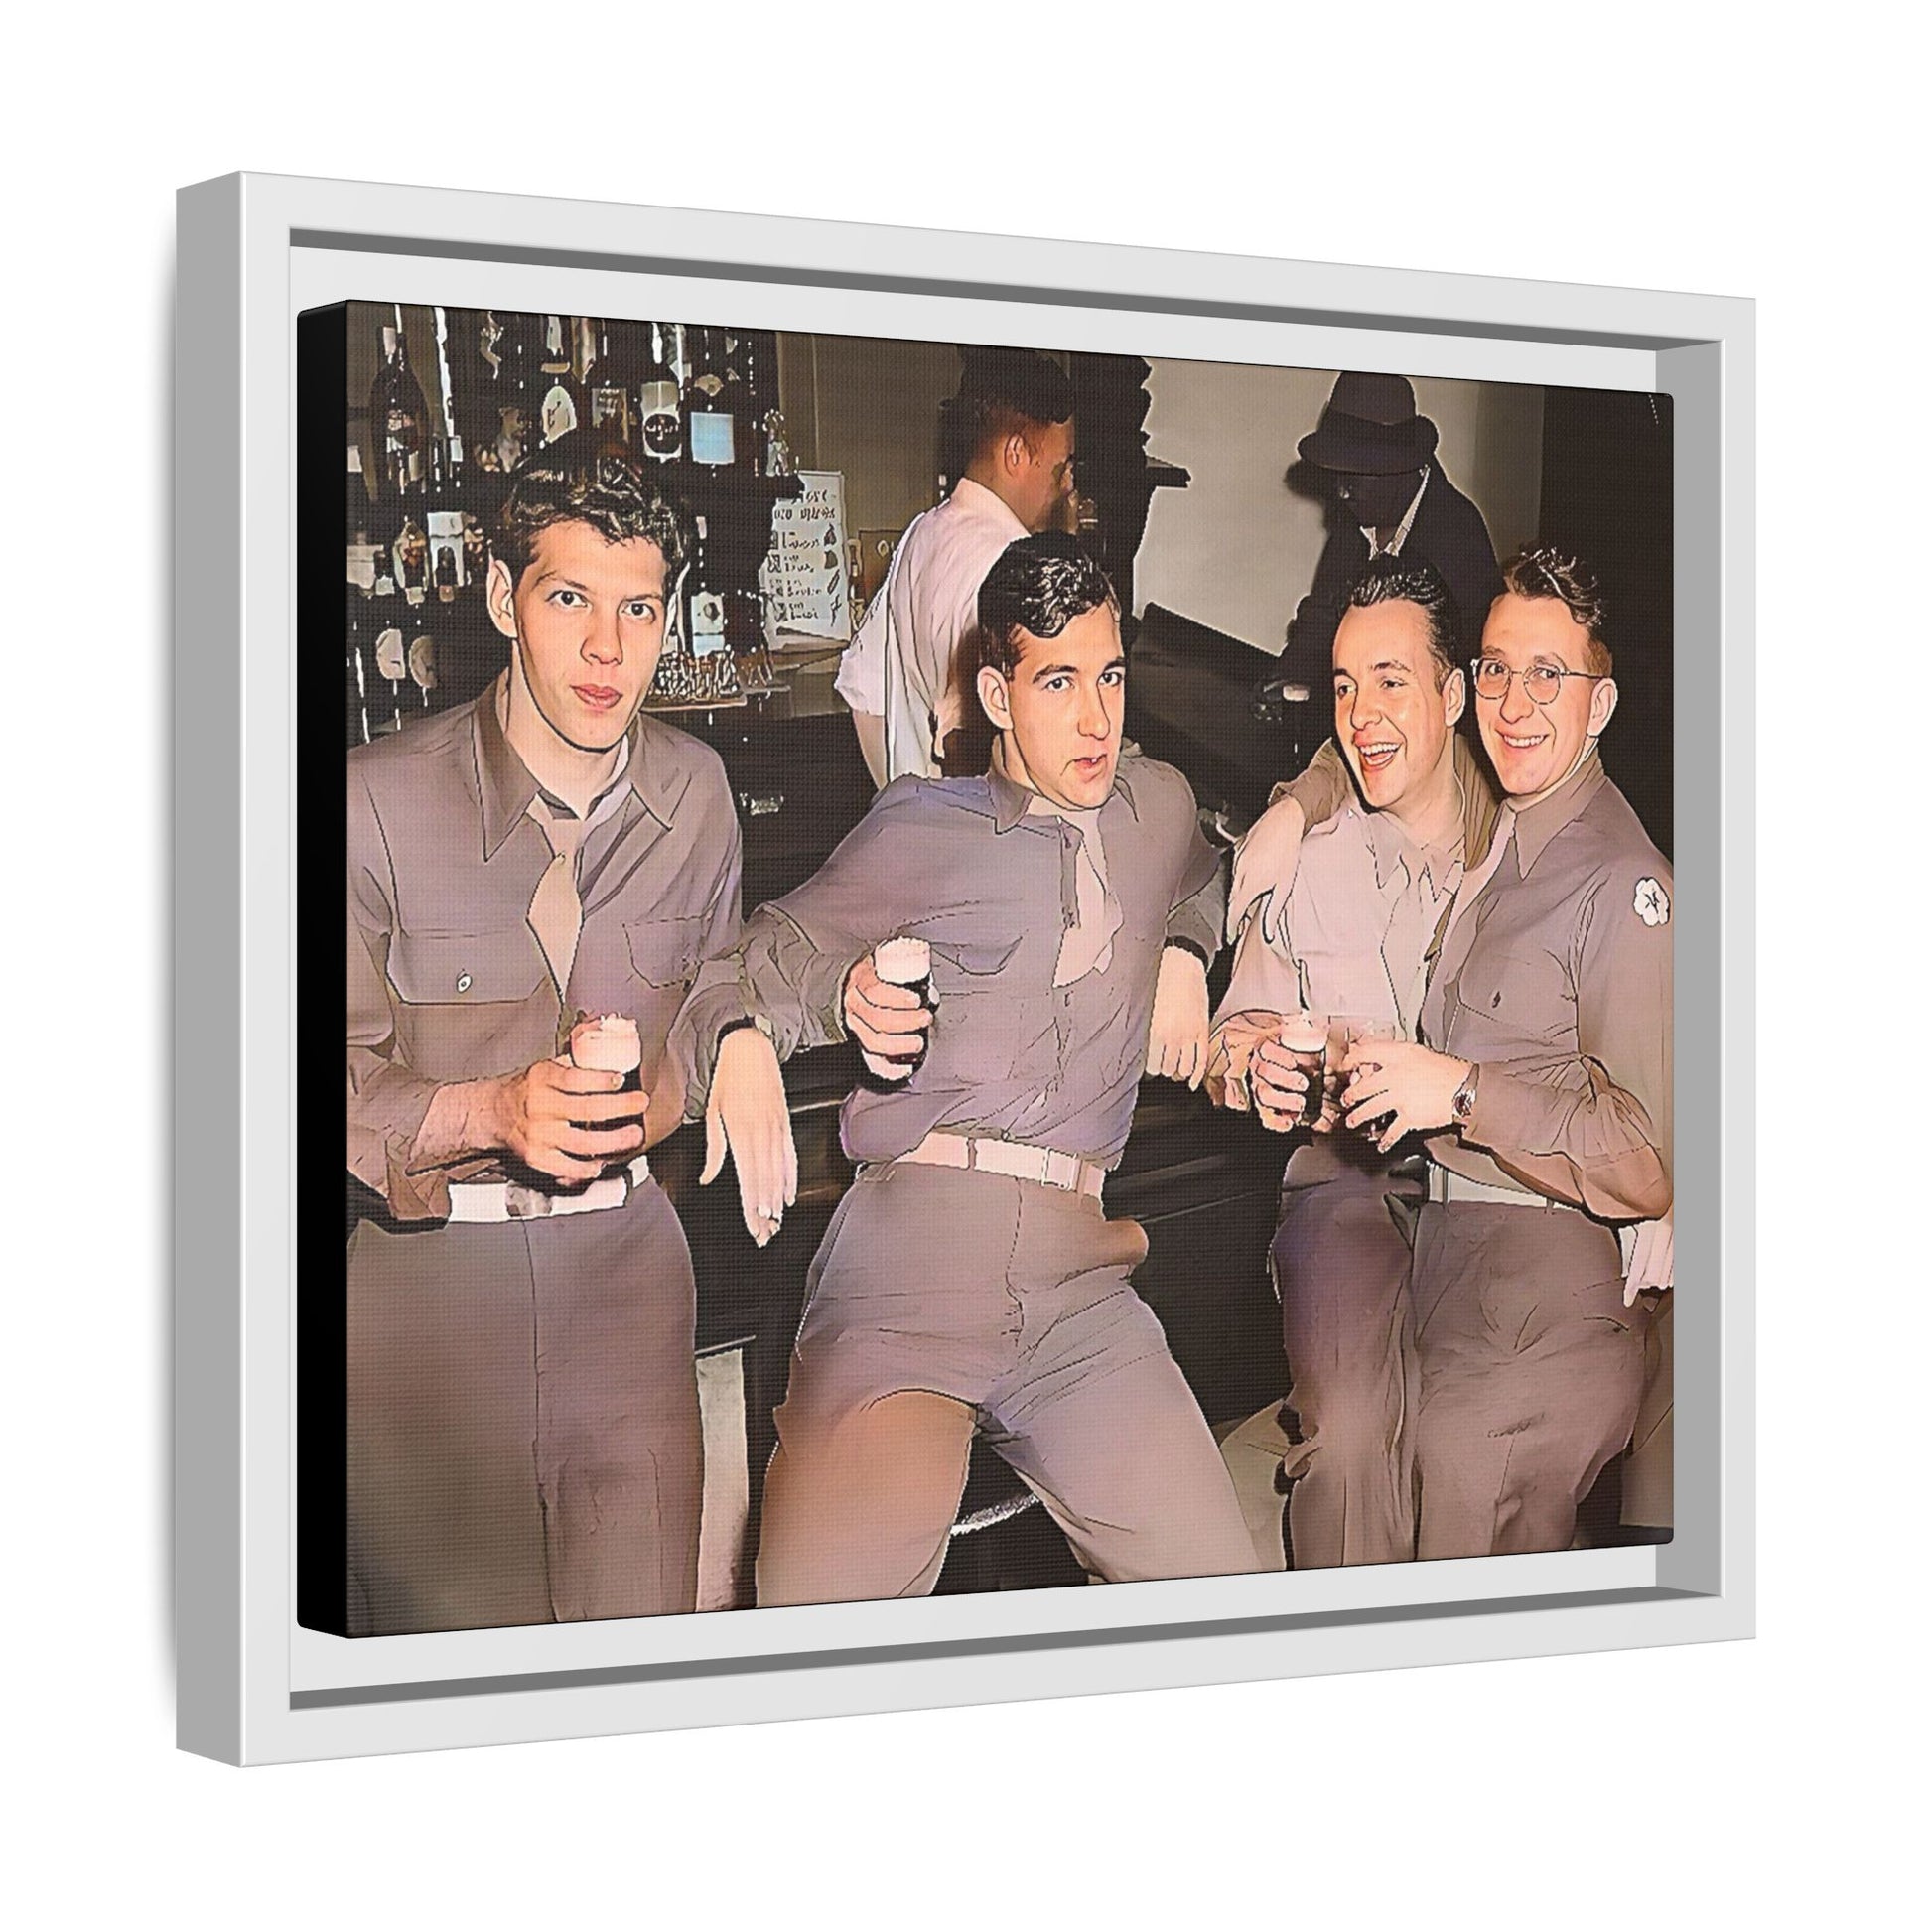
1349, 936
1545, 1090
970, 1283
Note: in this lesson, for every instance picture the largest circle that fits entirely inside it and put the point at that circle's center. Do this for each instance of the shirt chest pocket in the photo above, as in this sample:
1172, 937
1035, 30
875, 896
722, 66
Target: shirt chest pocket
1527, 993
664, 954
466, 969
976, 1038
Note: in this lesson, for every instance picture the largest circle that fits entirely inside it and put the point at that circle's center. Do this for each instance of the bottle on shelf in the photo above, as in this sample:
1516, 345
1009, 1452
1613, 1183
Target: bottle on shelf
355, 721
398, 416
705, 603
709, 426
745, 384
559, 412
658, 399
609, 383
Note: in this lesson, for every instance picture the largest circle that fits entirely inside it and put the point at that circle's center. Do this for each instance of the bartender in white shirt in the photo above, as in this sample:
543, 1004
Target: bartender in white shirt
909, 671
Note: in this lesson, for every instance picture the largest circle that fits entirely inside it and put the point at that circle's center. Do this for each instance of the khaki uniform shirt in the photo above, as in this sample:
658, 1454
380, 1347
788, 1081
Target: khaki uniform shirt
1355, 933
447, 980
1555, 978
991, 888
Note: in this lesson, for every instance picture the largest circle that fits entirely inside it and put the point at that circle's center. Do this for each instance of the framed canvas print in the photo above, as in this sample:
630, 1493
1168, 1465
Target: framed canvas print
1017, 916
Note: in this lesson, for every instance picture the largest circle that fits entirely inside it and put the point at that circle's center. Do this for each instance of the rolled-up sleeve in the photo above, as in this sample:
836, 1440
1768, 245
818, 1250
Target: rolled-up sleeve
861, 681
386, 1099
1594, 1127
1200, 894
789, 966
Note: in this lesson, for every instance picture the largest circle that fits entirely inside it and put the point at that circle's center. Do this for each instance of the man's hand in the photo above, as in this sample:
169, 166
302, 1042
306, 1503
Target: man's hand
1649, 1257
1396, 1077
1264, 868
887, 1020
1231, 1050
569, 1122
747, 1113
1176, 1042
1281, 1087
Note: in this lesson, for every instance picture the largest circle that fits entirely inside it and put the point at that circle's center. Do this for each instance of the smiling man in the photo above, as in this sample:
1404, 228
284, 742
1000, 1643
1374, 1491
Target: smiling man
970, 1281
1544, 1088
523, 1440
1352, 934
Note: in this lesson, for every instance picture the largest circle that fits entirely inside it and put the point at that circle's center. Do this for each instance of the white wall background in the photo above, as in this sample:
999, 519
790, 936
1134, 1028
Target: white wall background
1758, 1785
1236, 550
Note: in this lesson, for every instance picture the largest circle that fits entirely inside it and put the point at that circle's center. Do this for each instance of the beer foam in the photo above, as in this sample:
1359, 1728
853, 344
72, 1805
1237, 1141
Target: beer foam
605, 1043
1304, 1033
902, 962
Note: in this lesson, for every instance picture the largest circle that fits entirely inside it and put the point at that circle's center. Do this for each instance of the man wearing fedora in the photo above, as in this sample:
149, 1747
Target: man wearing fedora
1393, 502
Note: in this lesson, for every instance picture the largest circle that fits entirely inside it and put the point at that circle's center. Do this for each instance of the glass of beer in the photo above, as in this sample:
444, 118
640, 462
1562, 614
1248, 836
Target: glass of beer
907, 963
608, 1043
1344, 1029
1305, 1036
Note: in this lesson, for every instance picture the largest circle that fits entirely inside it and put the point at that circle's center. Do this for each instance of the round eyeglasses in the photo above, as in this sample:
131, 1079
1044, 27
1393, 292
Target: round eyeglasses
1544, 682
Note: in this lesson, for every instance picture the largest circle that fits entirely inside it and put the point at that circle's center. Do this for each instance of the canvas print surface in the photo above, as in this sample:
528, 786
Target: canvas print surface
971, 967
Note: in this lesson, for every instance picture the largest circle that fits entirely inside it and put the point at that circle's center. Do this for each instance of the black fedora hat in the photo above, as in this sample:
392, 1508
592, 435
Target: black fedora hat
1370, 428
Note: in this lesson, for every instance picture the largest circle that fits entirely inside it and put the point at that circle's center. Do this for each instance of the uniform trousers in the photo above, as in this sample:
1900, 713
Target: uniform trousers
1532, 1369
944, 1303
523, 1432
1341, 1257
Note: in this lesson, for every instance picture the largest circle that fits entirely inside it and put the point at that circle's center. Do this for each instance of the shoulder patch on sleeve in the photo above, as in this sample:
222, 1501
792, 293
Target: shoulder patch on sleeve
1652, 902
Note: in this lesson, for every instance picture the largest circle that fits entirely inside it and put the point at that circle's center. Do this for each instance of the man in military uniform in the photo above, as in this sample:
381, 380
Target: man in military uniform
970, 1281
523, 1435
1544, 1088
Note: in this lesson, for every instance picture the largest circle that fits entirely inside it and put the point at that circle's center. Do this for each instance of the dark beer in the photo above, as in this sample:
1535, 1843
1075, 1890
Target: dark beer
907, 963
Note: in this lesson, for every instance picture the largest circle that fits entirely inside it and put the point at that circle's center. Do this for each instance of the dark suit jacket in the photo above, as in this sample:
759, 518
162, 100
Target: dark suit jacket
1448, 532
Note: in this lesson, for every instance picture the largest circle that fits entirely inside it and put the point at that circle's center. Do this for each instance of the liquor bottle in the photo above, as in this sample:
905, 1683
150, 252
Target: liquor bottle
436, 523
398, 416
559, 410
610, 392
747, 383
708, 422
657, 399
356, 686
705, 607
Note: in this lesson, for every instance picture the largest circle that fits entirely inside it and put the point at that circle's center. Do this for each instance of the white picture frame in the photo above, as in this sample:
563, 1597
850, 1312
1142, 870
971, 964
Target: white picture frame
254, 251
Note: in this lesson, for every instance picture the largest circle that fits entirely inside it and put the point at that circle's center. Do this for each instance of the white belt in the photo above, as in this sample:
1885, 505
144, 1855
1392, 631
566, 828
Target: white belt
1014, 1158
1445, 1186
510, 1201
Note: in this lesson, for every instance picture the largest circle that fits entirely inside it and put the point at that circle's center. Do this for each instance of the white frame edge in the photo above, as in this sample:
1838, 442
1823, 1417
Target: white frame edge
234, 965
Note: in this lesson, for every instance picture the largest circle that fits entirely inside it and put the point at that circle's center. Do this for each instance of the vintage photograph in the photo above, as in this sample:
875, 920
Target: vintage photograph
973, 967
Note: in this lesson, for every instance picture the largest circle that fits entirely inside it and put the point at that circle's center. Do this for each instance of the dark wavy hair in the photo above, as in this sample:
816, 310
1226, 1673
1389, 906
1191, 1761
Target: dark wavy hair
607, 490
1542, 570
1004, 390
1388, 580
1037, 584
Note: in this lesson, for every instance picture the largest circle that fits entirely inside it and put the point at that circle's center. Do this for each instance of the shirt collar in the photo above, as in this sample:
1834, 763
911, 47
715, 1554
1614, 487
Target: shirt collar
1011, 799
1538, 824
1391, 845
505, 787
1406, 524
975, 499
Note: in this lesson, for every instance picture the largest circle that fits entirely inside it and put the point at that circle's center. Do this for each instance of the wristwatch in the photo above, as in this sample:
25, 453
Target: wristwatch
1464, 1102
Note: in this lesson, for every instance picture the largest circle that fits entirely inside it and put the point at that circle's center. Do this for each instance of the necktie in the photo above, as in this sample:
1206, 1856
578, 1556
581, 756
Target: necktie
1087, 945
556, 913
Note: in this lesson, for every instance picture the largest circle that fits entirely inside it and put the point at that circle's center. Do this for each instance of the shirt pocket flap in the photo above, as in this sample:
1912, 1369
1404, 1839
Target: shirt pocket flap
665, 952
465, 968
1525, 990
968, 964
